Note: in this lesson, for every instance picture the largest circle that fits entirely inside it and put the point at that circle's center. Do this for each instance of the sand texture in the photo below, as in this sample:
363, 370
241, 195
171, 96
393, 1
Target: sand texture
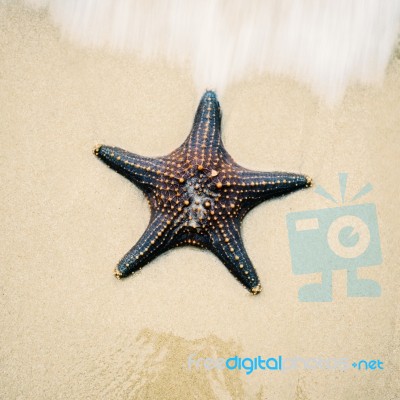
70, 330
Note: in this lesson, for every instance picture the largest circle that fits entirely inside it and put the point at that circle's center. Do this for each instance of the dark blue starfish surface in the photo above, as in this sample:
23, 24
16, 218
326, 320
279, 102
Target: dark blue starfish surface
198, 196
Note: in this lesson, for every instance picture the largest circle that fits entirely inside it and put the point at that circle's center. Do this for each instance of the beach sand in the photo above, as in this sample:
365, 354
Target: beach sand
70, 330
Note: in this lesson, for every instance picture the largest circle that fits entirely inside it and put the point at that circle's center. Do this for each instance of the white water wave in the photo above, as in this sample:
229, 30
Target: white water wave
325, 44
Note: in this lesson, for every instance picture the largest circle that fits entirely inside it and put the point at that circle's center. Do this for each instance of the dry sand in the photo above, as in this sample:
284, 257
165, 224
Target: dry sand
70, 330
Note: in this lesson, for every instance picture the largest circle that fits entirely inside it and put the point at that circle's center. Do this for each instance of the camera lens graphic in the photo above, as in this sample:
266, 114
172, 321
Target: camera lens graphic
348, 236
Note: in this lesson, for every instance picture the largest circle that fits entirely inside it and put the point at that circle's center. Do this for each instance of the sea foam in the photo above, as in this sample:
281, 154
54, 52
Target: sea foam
326, 45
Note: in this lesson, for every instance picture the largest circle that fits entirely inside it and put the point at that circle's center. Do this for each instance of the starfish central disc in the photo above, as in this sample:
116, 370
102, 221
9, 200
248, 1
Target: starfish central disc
198, 196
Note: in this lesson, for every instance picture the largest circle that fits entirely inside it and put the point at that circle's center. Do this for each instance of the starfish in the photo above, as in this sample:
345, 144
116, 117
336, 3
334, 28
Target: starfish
198, 195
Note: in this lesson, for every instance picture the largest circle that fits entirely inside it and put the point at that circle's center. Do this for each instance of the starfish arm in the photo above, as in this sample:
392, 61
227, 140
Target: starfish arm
255, 187
154, 241
204, 140
227, 245
143, 171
